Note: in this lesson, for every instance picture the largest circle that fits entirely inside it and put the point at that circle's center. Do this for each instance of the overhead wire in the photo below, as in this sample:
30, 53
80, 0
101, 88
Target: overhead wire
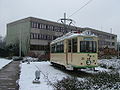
81, 8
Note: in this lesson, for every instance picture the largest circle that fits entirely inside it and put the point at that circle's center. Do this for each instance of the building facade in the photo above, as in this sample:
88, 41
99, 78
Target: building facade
36, 34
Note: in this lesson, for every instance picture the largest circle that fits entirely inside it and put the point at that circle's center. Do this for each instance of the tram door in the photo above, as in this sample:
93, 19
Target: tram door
70, 48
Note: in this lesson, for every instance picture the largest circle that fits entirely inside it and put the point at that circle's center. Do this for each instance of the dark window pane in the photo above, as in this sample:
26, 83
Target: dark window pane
88, 46
74, 45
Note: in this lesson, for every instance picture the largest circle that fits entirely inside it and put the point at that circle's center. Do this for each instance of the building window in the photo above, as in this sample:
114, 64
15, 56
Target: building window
113, 43
32, 24
35, 25
113, 37
39, 26
35, 35
42, 26
53, 28
46, 26
31, 36
38, 36
38, 47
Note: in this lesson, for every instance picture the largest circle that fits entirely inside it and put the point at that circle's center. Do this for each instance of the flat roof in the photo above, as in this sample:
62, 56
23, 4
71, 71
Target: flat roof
77, 28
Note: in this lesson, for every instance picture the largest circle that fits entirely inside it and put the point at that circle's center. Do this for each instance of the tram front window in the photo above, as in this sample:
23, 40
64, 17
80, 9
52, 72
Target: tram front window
88, 46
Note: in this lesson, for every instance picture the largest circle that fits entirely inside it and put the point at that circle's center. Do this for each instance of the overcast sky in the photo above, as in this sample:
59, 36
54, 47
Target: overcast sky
99, 14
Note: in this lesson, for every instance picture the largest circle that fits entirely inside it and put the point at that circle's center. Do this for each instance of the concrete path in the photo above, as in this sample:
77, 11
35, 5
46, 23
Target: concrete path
9, 76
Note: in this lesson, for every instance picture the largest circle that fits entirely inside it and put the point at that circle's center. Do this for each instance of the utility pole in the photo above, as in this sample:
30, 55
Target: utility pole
20, 43
66, 21
111, 30
65, 18
118, 49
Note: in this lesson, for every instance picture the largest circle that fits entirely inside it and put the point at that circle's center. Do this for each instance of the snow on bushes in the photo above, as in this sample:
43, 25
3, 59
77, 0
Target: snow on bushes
100, 81
110, 63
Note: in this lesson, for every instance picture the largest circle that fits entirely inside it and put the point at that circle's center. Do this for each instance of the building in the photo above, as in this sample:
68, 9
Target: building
36, 34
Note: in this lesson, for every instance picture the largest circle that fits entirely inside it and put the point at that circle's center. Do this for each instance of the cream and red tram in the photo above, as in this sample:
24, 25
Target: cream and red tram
75, 50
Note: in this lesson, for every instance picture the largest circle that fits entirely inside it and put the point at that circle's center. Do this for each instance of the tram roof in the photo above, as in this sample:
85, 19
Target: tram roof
72, 35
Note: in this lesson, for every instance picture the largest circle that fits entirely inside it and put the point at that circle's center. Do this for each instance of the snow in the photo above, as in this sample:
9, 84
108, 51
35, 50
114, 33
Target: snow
100, 69
105, 65
50, 74
4, 62
110, 63
28, 75
73, 34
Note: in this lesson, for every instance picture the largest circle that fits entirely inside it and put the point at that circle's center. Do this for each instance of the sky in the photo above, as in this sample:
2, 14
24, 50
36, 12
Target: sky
99, 14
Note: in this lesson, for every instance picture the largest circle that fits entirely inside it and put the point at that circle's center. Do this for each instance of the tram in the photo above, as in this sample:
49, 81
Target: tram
75, 50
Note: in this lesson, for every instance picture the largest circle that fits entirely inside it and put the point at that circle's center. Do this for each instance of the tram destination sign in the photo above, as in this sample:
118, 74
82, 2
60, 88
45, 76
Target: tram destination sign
88, 38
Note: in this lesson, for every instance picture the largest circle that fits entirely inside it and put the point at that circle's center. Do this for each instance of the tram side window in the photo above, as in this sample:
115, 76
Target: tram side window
53, 48
74, 45
57, 48
69, 45
88, 46
60, 47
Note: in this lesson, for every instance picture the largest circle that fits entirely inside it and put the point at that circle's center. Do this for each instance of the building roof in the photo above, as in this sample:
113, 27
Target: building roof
38, 19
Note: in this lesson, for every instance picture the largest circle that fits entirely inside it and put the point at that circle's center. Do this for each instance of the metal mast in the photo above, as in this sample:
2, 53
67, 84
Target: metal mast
64, 18
20, 44
66, 21
118, 49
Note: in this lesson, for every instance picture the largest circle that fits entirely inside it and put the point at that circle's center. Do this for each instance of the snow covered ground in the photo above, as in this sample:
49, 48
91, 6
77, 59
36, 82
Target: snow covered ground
28, 75
4, 62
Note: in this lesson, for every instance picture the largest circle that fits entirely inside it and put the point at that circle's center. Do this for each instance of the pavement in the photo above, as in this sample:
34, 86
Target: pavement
9, 76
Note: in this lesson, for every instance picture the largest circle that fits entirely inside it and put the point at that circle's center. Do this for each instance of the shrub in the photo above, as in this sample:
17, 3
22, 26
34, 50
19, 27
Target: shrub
70, 83
100, 81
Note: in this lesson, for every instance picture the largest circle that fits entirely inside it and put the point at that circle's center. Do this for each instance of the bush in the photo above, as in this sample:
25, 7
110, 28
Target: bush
100, 81
70, 83
110, 64
105, 80
10, 50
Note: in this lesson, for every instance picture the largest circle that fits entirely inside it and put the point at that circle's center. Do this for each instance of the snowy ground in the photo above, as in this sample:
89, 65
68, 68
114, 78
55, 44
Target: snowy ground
4, 62
28, 75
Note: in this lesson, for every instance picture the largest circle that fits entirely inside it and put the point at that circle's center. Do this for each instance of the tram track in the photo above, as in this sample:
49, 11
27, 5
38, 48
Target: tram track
78, 73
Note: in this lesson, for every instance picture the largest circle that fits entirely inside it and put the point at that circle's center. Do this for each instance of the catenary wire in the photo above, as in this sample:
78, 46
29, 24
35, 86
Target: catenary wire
81, 8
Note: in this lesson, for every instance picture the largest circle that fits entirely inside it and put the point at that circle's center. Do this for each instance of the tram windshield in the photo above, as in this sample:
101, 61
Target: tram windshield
88, 46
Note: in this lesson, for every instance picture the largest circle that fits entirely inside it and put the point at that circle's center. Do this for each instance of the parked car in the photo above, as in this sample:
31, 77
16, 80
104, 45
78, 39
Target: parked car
29, 59
16, 58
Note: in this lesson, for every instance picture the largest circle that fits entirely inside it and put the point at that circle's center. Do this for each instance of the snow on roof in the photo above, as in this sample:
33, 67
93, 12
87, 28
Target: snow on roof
72, 35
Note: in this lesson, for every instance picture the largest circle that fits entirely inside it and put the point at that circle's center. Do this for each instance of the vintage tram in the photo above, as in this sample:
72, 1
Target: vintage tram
75, 50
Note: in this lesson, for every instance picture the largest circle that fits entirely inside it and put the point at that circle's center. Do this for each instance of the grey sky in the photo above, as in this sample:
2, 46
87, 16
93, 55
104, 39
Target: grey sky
99, 14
